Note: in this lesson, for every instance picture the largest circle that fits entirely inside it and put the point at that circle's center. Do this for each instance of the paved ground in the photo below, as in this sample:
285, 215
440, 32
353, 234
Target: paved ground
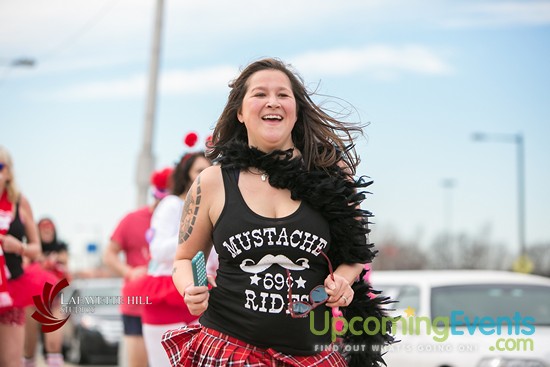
122, 362
41, 363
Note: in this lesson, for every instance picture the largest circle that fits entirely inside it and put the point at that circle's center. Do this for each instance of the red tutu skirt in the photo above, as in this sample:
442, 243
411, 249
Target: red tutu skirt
22, 289
193, 346
129, 290
162, 302
30, 284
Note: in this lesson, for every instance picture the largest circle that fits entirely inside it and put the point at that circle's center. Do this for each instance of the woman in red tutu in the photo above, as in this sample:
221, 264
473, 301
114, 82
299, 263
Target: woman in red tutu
130, 239
18, 238
165, 308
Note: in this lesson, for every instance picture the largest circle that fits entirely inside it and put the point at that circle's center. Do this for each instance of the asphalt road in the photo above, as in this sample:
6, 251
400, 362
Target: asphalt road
42, 363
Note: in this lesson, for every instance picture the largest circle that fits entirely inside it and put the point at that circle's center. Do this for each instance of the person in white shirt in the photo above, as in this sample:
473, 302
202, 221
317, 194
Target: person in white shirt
166, 308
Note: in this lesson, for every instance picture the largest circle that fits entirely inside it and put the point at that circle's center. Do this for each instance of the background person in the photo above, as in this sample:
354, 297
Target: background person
130, 239
166, 309
51, 266
281, 207
18, 238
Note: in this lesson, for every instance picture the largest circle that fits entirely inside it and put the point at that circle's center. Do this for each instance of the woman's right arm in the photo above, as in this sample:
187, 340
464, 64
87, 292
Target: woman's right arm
195, 235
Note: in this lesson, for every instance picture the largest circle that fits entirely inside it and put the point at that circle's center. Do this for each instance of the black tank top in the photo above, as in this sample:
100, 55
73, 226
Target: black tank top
251, 300
17, 230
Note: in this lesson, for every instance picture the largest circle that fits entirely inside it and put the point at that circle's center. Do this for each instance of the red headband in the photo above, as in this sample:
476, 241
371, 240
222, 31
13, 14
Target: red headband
160, 180
46, 223
192, 138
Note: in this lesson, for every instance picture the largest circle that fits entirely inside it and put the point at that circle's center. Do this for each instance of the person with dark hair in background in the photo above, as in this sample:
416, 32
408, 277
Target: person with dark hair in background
282, 209
18, 239
51, 267
130, 238
165, 308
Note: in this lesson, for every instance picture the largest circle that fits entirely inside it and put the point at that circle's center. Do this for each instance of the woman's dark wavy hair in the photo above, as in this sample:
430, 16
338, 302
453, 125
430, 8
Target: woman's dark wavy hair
322, 139
180, 177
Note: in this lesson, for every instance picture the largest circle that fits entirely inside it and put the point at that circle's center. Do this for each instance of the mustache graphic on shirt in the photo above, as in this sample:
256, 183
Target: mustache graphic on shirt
267, 261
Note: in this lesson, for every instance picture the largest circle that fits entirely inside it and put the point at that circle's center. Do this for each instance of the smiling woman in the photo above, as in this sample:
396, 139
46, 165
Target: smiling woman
269, 111
277, 238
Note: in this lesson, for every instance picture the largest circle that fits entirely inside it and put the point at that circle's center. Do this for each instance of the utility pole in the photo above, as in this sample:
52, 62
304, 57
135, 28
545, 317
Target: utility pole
146, 160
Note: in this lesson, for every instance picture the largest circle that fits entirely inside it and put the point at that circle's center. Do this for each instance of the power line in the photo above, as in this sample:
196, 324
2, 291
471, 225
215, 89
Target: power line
89, 25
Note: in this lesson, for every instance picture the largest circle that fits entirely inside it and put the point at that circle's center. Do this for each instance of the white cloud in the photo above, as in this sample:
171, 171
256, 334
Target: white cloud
256, 17
171, 82
131, 87
38, 27
501, 14
84, 35
378, 61
188, 81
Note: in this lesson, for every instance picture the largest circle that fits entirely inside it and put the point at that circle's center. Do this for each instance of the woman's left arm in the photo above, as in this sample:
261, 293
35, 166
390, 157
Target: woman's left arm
32, 249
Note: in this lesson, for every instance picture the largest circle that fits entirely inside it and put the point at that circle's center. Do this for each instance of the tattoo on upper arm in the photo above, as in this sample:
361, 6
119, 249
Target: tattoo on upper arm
190, 211
174, 271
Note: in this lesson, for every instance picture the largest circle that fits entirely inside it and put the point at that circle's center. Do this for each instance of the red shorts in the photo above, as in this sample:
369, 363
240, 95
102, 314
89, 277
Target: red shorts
13, 316
193, 346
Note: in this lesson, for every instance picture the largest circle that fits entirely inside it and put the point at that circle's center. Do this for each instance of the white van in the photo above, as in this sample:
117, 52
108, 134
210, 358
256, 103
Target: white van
467, 318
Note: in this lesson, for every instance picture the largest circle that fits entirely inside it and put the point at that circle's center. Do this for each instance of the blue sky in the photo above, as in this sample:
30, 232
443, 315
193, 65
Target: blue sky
425, 75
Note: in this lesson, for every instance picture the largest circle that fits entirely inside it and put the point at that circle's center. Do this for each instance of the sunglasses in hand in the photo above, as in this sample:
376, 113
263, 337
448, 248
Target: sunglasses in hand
317, 296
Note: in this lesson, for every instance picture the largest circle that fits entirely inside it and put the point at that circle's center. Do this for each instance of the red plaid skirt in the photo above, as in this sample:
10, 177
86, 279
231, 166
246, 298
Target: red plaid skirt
193, 346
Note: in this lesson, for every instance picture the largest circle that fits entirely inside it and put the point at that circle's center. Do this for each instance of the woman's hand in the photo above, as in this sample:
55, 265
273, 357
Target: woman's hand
11, 244
196, 298
339, 290
136, 272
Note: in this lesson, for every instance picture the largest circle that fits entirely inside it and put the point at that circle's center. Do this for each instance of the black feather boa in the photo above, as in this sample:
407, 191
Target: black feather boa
337, 197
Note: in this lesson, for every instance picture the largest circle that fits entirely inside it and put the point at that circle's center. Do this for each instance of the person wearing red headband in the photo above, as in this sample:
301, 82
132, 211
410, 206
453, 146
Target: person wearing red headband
51, 267
18, 239
166, 309
130, 238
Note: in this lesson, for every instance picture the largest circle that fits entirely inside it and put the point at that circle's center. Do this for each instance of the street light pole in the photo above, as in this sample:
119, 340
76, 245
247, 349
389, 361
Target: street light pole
521, 191
517, 139
146, 160
448, 184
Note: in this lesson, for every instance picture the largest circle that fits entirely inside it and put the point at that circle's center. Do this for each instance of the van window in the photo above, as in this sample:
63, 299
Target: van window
492, 301
405, 295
